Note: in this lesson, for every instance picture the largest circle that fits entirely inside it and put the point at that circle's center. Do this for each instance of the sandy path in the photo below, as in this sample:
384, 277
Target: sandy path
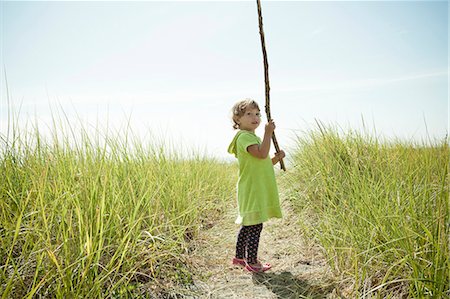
298, 268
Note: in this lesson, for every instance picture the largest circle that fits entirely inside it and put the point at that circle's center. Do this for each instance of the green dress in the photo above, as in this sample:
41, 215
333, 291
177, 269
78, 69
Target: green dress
257, 192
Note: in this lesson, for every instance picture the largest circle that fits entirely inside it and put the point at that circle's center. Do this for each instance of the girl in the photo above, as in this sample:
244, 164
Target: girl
257, 193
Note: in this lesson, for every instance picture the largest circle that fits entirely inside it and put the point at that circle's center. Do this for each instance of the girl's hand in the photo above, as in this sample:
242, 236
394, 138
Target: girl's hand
280, 155
270, 127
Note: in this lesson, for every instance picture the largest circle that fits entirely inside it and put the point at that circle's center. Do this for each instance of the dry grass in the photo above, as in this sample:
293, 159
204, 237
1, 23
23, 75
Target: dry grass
299, 269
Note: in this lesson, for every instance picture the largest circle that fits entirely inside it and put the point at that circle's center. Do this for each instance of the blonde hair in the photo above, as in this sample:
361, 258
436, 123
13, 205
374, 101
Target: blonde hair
239, 109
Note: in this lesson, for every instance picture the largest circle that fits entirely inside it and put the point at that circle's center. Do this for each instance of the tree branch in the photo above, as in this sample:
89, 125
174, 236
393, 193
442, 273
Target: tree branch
266, 78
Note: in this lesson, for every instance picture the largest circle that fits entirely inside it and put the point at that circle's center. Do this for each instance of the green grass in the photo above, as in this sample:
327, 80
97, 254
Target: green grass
86, 218
103, 214
379, 209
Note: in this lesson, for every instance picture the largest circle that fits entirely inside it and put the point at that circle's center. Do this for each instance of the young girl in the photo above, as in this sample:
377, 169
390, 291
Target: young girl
257, 193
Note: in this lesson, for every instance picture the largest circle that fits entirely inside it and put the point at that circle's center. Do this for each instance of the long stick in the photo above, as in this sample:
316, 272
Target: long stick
266, 78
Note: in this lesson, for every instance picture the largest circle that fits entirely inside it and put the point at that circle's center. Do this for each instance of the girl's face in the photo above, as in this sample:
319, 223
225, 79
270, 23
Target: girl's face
250, 120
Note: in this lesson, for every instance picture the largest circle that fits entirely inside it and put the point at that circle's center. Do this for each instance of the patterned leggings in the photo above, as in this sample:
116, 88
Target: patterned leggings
248, 242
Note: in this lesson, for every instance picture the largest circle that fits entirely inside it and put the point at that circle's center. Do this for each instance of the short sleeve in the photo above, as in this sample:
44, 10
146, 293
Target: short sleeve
245, 140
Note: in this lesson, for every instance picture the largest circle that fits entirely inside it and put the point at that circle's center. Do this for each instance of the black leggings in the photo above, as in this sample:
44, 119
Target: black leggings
248, 242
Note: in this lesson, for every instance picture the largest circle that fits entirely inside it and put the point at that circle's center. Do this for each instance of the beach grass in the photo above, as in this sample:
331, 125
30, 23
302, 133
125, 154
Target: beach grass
96, 213
101, 215
379, 208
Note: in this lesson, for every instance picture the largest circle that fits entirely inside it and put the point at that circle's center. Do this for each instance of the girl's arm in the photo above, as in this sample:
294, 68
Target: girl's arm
262, 150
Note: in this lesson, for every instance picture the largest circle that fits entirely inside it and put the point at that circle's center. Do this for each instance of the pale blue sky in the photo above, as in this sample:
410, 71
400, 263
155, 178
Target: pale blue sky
178, 67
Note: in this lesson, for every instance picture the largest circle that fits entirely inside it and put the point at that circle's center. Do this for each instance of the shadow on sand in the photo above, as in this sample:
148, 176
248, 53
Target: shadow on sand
287, 286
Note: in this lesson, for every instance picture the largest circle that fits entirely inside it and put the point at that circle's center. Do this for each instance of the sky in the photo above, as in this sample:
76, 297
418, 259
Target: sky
174, 69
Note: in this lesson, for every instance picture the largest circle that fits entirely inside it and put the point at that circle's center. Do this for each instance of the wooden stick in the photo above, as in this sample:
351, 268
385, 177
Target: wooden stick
266, 79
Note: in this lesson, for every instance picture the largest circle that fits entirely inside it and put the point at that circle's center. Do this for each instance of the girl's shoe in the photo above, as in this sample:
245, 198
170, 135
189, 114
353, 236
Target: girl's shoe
257, 268
239, 262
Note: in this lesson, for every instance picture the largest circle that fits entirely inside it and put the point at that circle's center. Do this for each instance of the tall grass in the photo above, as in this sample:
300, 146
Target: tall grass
89, 216
379, 209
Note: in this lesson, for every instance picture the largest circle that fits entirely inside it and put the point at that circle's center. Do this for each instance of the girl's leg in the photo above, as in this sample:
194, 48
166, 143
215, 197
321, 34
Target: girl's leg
253, 243
242, 241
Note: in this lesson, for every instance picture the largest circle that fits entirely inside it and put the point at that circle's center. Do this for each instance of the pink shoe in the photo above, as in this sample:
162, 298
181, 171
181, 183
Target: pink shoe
258, 267
239, 262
